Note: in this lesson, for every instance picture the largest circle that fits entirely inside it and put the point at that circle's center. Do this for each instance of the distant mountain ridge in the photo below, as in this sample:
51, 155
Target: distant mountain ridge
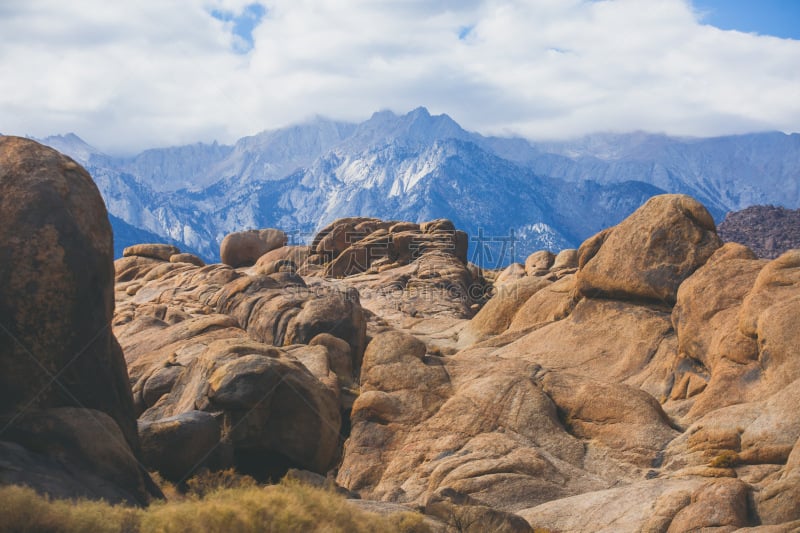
418, 166
766, 229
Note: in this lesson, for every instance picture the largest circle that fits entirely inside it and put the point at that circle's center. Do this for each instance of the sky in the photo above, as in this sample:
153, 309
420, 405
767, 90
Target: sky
132, 75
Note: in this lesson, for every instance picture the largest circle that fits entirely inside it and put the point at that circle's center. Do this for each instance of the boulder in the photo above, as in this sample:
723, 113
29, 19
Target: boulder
56, 289
553, 302
642, 506
601, 339
295, 254
512, 272
566, 259
180, 445
720, 503
539, 263
187, 258
162, 252
779, 279
69, 452
244, 248
272, 267
337, 236
649, 254
706, 314
497, 314
440, 224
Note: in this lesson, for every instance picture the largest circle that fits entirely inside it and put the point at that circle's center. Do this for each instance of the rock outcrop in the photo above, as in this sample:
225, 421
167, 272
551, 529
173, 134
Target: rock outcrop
243, 248
68, 422
653, 360
649, 254
665, 364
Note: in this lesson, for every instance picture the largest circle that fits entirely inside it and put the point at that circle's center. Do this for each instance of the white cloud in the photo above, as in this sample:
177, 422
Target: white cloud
128, 75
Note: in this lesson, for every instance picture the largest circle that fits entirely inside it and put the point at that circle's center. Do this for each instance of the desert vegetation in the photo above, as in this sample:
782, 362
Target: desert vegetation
211, 502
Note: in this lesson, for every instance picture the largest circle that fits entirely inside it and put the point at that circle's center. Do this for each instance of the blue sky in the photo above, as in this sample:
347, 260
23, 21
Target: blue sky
542, 69
242, 24
780, 18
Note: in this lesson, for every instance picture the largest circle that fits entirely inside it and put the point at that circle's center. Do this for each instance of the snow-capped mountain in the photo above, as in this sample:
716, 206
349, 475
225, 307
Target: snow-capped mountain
509, 194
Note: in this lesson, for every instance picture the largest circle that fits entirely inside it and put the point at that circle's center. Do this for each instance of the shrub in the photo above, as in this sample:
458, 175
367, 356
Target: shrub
288, 506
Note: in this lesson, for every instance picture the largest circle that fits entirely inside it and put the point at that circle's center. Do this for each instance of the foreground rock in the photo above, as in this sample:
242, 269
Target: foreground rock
69, 427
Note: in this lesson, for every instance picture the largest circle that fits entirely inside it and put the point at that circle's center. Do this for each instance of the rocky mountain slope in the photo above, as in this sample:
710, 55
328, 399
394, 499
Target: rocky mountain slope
419, 167
768, 230
646, 381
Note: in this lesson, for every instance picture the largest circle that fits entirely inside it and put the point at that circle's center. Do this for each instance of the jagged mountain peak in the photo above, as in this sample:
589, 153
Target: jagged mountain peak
72, 145
417, 127
420, 165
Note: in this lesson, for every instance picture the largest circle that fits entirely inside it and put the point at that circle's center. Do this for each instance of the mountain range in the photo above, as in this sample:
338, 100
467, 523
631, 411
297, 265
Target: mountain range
502, 191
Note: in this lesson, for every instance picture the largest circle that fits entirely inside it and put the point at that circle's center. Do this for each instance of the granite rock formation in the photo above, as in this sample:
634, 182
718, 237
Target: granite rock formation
67, 421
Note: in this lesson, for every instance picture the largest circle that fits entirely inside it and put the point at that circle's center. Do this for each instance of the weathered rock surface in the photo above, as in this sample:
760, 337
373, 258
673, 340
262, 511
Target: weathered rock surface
649, 254
69, 424
208, 339
648, 392
245, 247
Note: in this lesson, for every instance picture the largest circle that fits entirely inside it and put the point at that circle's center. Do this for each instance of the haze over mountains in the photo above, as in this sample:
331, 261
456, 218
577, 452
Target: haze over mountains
420, 167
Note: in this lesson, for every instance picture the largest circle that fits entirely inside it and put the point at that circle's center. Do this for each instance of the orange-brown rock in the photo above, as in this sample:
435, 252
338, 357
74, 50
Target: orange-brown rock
539, 263
187, 258
553, 302
566, 259
642, 404
162, 252
512, 272
296, 254
779, 279
649, 254
244, 248
496, 316
706, 316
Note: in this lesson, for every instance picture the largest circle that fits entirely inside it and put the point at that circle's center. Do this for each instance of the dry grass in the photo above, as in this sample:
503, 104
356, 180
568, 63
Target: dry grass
232, 505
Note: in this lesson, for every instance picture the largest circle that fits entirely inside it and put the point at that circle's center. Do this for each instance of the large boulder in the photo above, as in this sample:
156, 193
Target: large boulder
179, 445
56, 288
69, 452
779, 280
539, 263
56, 304
706, 316
649, 254
243, 248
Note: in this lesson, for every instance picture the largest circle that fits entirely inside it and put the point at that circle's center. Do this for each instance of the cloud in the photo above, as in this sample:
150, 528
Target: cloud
155, 72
